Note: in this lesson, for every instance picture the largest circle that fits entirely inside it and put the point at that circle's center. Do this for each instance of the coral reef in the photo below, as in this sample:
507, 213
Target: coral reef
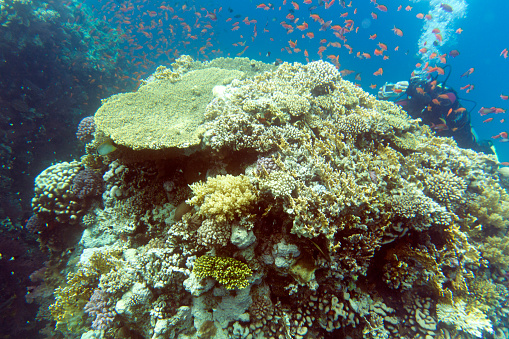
296, 206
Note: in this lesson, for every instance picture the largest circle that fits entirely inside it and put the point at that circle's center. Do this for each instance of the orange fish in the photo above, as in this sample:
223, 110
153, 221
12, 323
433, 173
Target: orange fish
459, 30
488, 120
397, 31
408, 8
295, 5
420, 16
292, 43
374, 16
450, 111
378, 52
399, 8
330, 3
423, 50
459, 110
382, 46
372, 37
382, 8
504, 97
310, 35
380, 71
467, 73
372, 86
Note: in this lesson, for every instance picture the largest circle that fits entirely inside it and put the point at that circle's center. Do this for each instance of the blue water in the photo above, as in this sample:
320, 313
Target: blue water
480, 43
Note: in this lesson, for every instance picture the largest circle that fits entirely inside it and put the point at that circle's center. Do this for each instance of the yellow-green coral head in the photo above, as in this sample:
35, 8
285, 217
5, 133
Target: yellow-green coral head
227, 271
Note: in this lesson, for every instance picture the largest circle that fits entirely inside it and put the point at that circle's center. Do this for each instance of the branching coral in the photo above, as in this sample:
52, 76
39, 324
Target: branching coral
464, 318
224, 197
229, 272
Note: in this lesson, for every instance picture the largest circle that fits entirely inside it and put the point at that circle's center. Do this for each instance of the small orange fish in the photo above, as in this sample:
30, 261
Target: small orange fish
459, 30
488, 120
504, 97
467, 73
372, 37
380, 71
448, 113
397, 31
408, 8
373, 86
420, 16
436, 102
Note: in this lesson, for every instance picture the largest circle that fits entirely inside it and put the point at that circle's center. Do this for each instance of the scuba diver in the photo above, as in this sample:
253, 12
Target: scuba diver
437, 106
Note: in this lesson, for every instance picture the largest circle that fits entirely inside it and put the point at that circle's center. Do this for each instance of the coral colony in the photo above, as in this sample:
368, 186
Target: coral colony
241, 200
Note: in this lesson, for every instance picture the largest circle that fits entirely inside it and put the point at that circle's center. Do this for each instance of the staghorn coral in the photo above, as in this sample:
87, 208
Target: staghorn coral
227, 271
224, 197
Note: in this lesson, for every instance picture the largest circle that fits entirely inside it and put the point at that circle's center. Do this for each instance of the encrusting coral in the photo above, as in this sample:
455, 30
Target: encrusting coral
296, 205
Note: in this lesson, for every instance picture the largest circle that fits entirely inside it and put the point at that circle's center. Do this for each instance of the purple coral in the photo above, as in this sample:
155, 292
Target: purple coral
35, 224
98, 307
266, 163
86, 129
87, 183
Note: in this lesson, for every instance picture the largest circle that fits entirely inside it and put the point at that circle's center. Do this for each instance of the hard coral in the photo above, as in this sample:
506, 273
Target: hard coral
52, 193
227, 271
87, 183
224, 197
86, 129
99, 308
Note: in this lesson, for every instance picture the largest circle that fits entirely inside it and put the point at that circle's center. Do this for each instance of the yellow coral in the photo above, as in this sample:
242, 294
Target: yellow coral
70, 299
224, 197
227, 271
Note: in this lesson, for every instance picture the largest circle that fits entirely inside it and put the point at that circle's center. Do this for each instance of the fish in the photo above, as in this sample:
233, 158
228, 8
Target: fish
397, 31
106, 147
372, 37
373, 86
446, 8
454, 53
486, 110
488, 120
380, 71
439, 127
467, 73
459, 30
381, 8
504, 97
